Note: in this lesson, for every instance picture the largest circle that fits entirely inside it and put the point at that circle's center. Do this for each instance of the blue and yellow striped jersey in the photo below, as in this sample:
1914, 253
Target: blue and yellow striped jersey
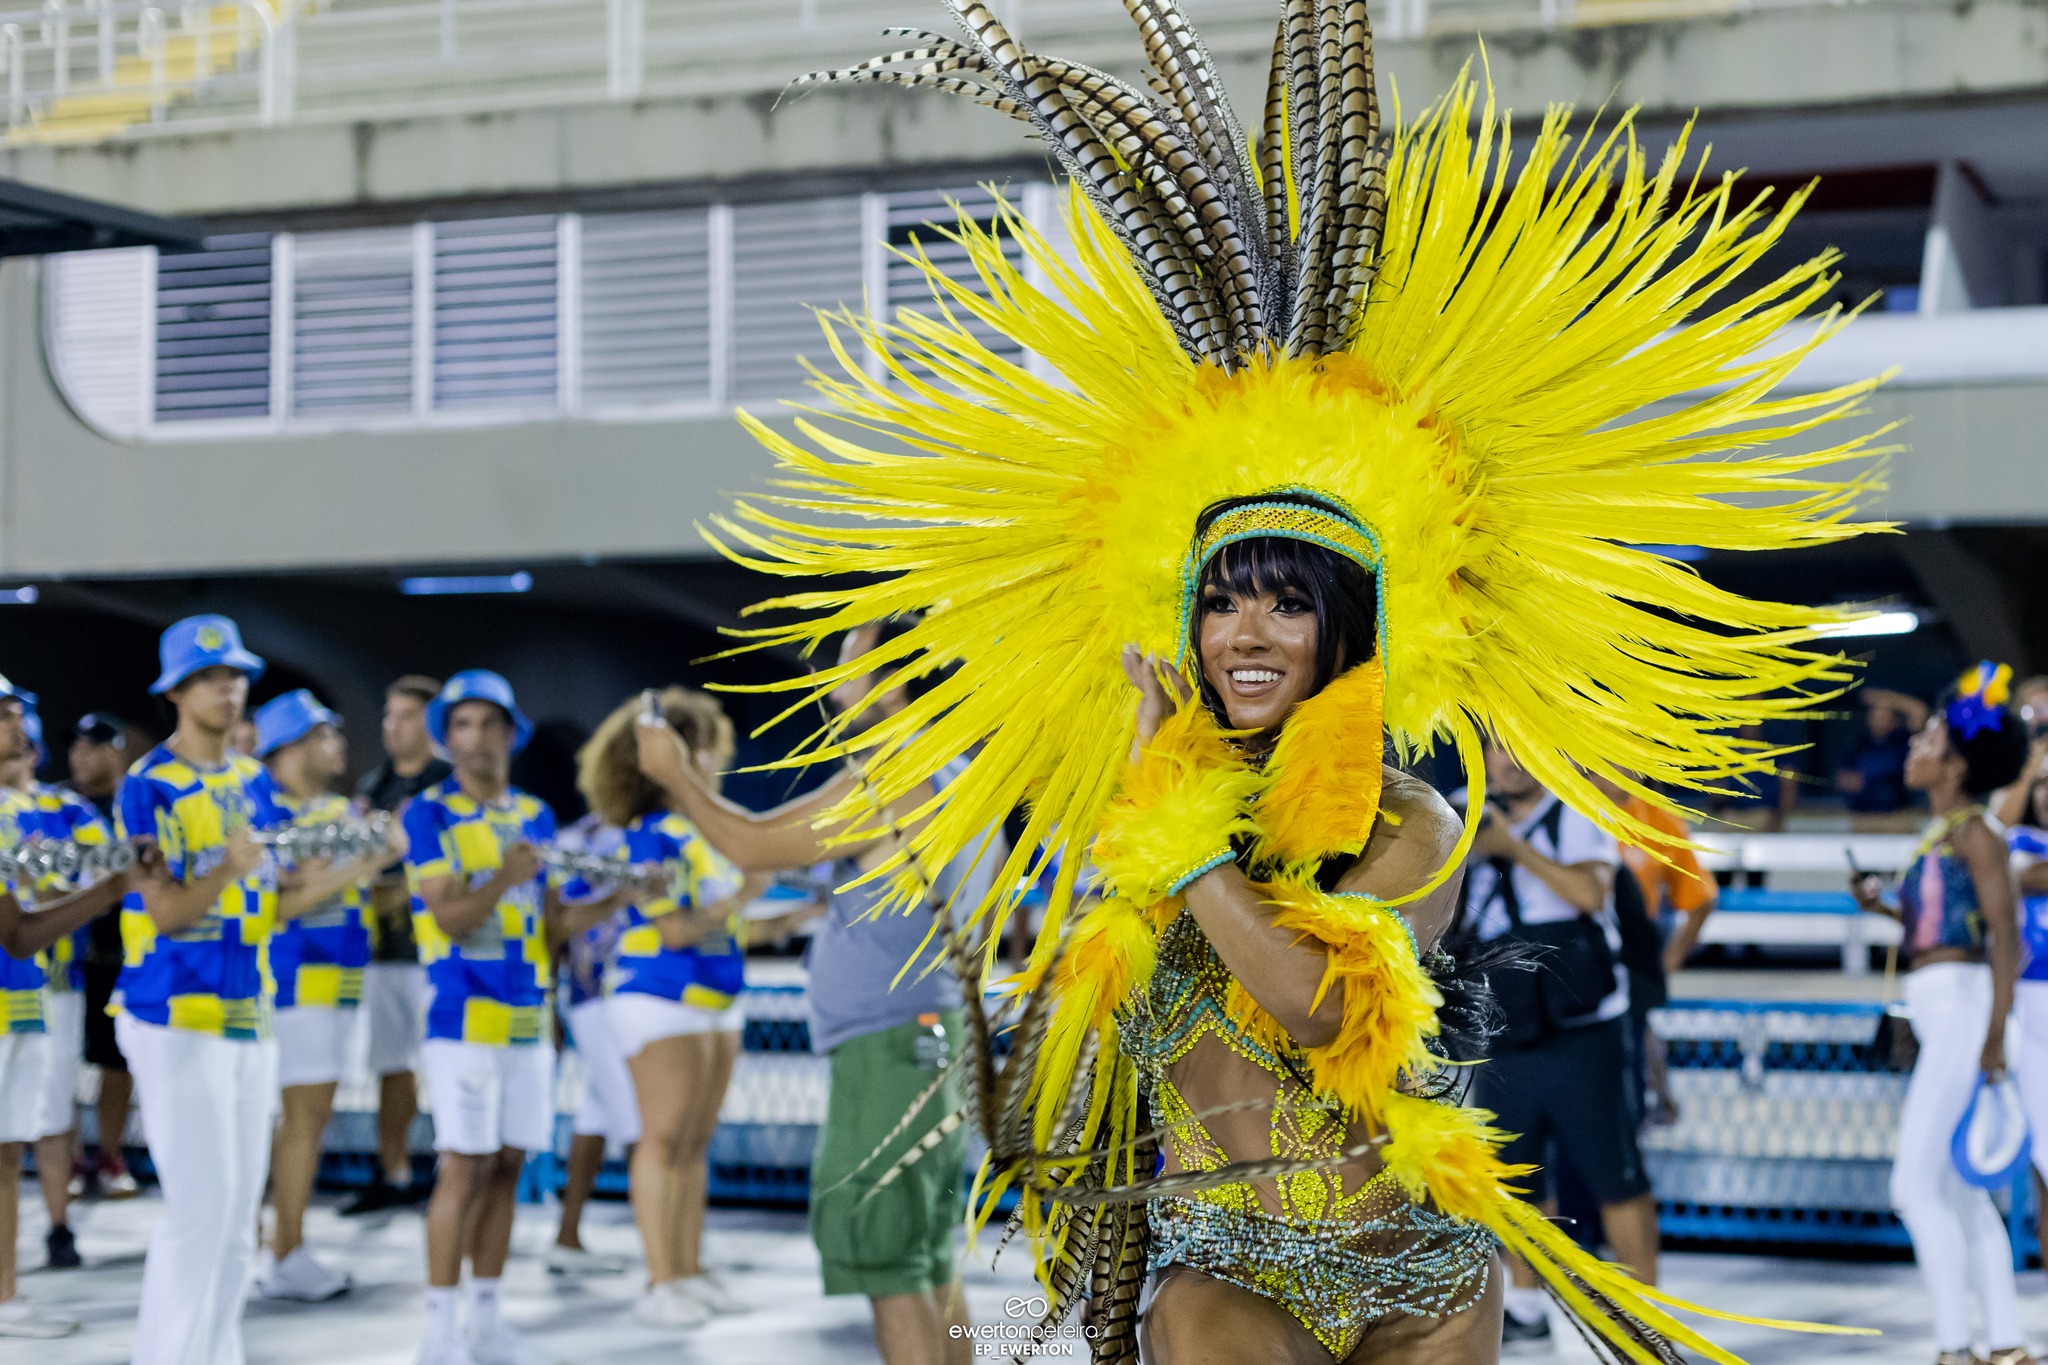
64, 814
215, 976
317, 959
713, 971
490, 986
21, 979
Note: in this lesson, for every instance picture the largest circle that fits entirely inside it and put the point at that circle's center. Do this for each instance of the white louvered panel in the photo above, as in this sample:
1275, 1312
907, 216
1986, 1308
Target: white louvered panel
915, 219
213, 330
646, 308
352, 322
495, 304
789, 258
97, 335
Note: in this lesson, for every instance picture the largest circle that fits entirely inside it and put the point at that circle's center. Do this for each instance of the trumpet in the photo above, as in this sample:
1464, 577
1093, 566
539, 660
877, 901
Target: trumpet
597, 869
37, 860
333, 840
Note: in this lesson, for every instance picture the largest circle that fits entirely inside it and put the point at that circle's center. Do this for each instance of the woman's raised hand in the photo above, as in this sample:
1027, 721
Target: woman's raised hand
1161, 692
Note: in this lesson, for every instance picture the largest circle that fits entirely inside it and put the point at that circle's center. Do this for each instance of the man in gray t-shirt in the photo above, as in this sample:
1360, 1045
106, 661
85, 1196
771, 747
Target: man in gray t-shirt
888, 1029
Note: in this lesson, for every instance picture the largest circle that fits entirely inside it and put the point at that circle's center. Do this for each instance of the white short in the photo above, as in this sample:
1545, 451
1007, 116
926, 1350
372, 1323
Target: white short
485, 1097
395, 1003
312, 1044
64, 1016
610, 1108
638, 1019
24, 1061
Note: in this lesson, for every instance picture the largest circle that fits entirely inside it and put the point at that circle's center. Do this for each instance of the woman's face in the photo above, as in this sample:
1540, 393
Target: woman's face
1928, 755
1258, 654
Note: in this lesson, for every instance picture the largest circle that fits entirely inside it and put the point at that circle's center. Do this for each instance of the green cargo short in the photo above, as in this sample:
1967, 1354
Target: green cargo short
901, 1240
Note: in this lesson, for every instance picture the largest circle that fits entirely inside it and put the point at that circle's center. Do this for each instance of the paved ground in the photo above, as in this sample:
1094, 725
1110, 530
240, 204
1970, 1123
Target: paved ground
774, 1266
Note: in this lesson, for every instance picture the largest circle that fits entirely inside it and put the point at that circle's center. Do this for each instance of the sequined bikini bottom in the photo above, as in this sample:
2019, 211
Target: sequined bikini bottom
1338, 1277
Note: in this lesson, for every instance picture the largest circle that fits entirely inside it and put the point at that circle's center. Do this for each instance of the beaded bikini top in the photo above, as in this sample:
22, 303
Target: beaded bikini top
1163, 1022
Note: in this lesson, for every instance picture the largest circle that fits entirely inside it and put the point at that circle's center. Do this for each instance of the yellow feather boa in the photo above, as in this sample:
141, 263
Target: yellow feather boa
1181, 804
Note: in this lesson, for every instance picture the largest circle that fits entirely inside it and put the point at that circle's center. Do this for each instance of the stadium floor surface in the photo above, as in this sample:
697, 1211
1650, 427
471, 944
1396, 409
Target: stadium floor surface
773, 1266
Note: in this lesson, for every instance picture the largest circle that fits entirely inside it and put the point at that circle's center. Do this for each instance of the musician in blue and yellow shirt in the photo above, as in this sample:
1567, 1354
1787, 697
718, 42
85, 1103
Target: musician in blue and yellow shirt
24, 1040
672, 992
55, 814
317, 963
195, 993
487, 921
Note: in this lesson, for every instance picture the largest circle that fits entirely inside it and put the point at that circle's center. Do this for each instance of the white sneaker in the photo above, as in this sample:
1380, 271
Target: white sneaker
503, 1346
711, 1291
21, 1318
302, 1278
563, 1260
446, 1349
665, 1305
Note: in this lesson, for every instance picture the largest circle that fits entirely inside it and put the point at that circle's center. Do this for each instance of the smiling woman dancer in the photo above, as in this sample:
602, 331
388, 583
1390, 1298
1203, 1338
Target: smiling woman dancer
1339, 430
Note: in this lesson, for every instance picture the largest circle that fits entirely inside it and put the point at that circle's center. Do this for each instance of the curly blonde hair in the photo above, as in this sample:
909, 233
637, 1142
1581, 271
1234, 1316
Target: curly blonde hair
608, 765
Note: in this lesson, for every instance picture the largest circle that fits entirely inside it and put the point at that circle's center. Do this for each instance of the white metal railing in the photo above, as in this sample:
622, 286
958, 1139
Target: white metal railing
241, 62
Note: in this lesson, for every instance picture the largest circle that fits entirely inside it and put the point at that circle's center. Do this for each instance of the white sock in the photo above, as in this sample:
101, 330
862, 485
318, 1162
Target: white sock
483, 1306
440, 1312
1525, 1305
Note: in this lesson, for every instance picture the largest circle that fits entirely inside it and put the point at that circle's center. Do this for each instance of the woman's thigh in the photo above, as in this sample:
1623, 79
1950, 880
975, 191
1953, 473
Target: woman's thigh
1195, 1319
668, 1075
721, 1052
1470, 1336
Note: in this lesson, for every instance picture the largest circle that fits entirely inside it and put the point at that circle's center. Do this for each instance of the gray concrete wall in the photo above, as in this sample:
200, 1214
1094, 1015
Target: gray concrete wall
75, 503
1880, 54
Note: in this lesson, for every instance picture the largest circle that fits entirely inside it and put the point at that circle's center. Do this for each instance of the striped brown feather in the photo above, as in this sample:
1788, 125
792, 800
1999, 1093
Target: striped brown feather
1117, 1285
1151, 143
1273, 180
1120, 198
1360, 203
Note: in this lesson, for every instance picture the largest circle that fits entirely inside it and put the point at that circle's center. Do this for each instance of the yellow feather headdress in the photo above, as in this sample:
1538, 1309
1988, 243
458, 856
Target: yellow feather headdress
1511, 376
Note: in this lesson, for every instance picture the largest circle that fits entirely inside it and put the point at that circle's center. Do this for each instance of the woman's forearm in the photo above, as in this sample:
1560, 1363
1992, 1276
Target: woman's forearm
1280, 969
760, 841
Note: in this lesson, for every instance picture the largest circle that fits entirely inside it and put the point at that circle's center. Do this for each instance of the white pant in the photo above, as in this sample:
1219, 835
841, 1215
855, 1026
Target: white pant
638, 1019
486, 1096
312, 1044
64, 1017
395, 1003
2030, 1064
24, 1062
1958, 1238
610, 1108
209, 1102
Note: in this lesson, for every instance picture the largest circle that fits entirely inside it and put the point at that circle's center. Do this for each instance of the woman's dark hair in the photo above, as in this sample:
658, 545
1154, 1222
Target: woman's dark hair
1994, 755
1344, 595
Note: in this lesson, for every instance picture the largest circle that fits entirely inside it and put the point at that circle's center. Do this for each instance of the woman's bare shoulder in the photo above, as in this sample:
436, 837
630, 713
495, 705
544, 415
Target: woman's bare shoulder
1418, 813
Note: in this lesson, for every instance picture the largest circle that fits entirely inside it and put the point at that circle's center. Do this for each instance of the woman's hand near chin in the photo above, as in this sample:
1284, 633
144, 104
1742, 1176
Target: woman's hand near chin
1161, 692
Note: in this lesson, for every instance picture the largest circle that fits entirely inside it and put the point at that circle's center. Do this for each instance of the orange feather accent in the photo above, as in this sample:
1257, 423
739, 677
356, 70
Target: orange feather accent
1322, 790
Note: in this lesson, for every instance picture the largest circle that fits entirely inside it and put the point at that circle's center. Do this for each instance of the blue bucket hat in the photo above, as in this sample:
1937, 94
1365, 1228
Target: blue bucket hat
288, 719
202, 642
477, 684
26, 698
32, 731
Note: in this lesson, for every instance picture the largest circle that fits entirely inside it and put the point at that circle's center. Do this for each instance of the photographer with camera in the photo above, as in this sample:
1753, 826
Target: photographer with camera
1543, 874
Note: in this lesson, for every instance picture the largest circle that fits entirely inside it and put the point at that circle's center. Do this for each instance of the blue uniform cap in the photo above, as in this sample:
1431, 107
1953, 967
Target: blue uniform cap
288, 719
477, 684
202, 642
27, 699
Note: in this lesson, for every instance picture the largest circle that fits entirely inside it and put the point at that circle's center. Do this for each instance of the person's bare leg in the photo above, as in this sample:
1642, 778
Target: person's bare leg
1469, 1337
952, 1305
1196, 1320
116, 1101
10, 1214
295, 1161
719, 1052
908, 1330
53, 1172
491, 1235
451, 1215
398, 1100
586, 1159
662, 1073
1631, 1229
